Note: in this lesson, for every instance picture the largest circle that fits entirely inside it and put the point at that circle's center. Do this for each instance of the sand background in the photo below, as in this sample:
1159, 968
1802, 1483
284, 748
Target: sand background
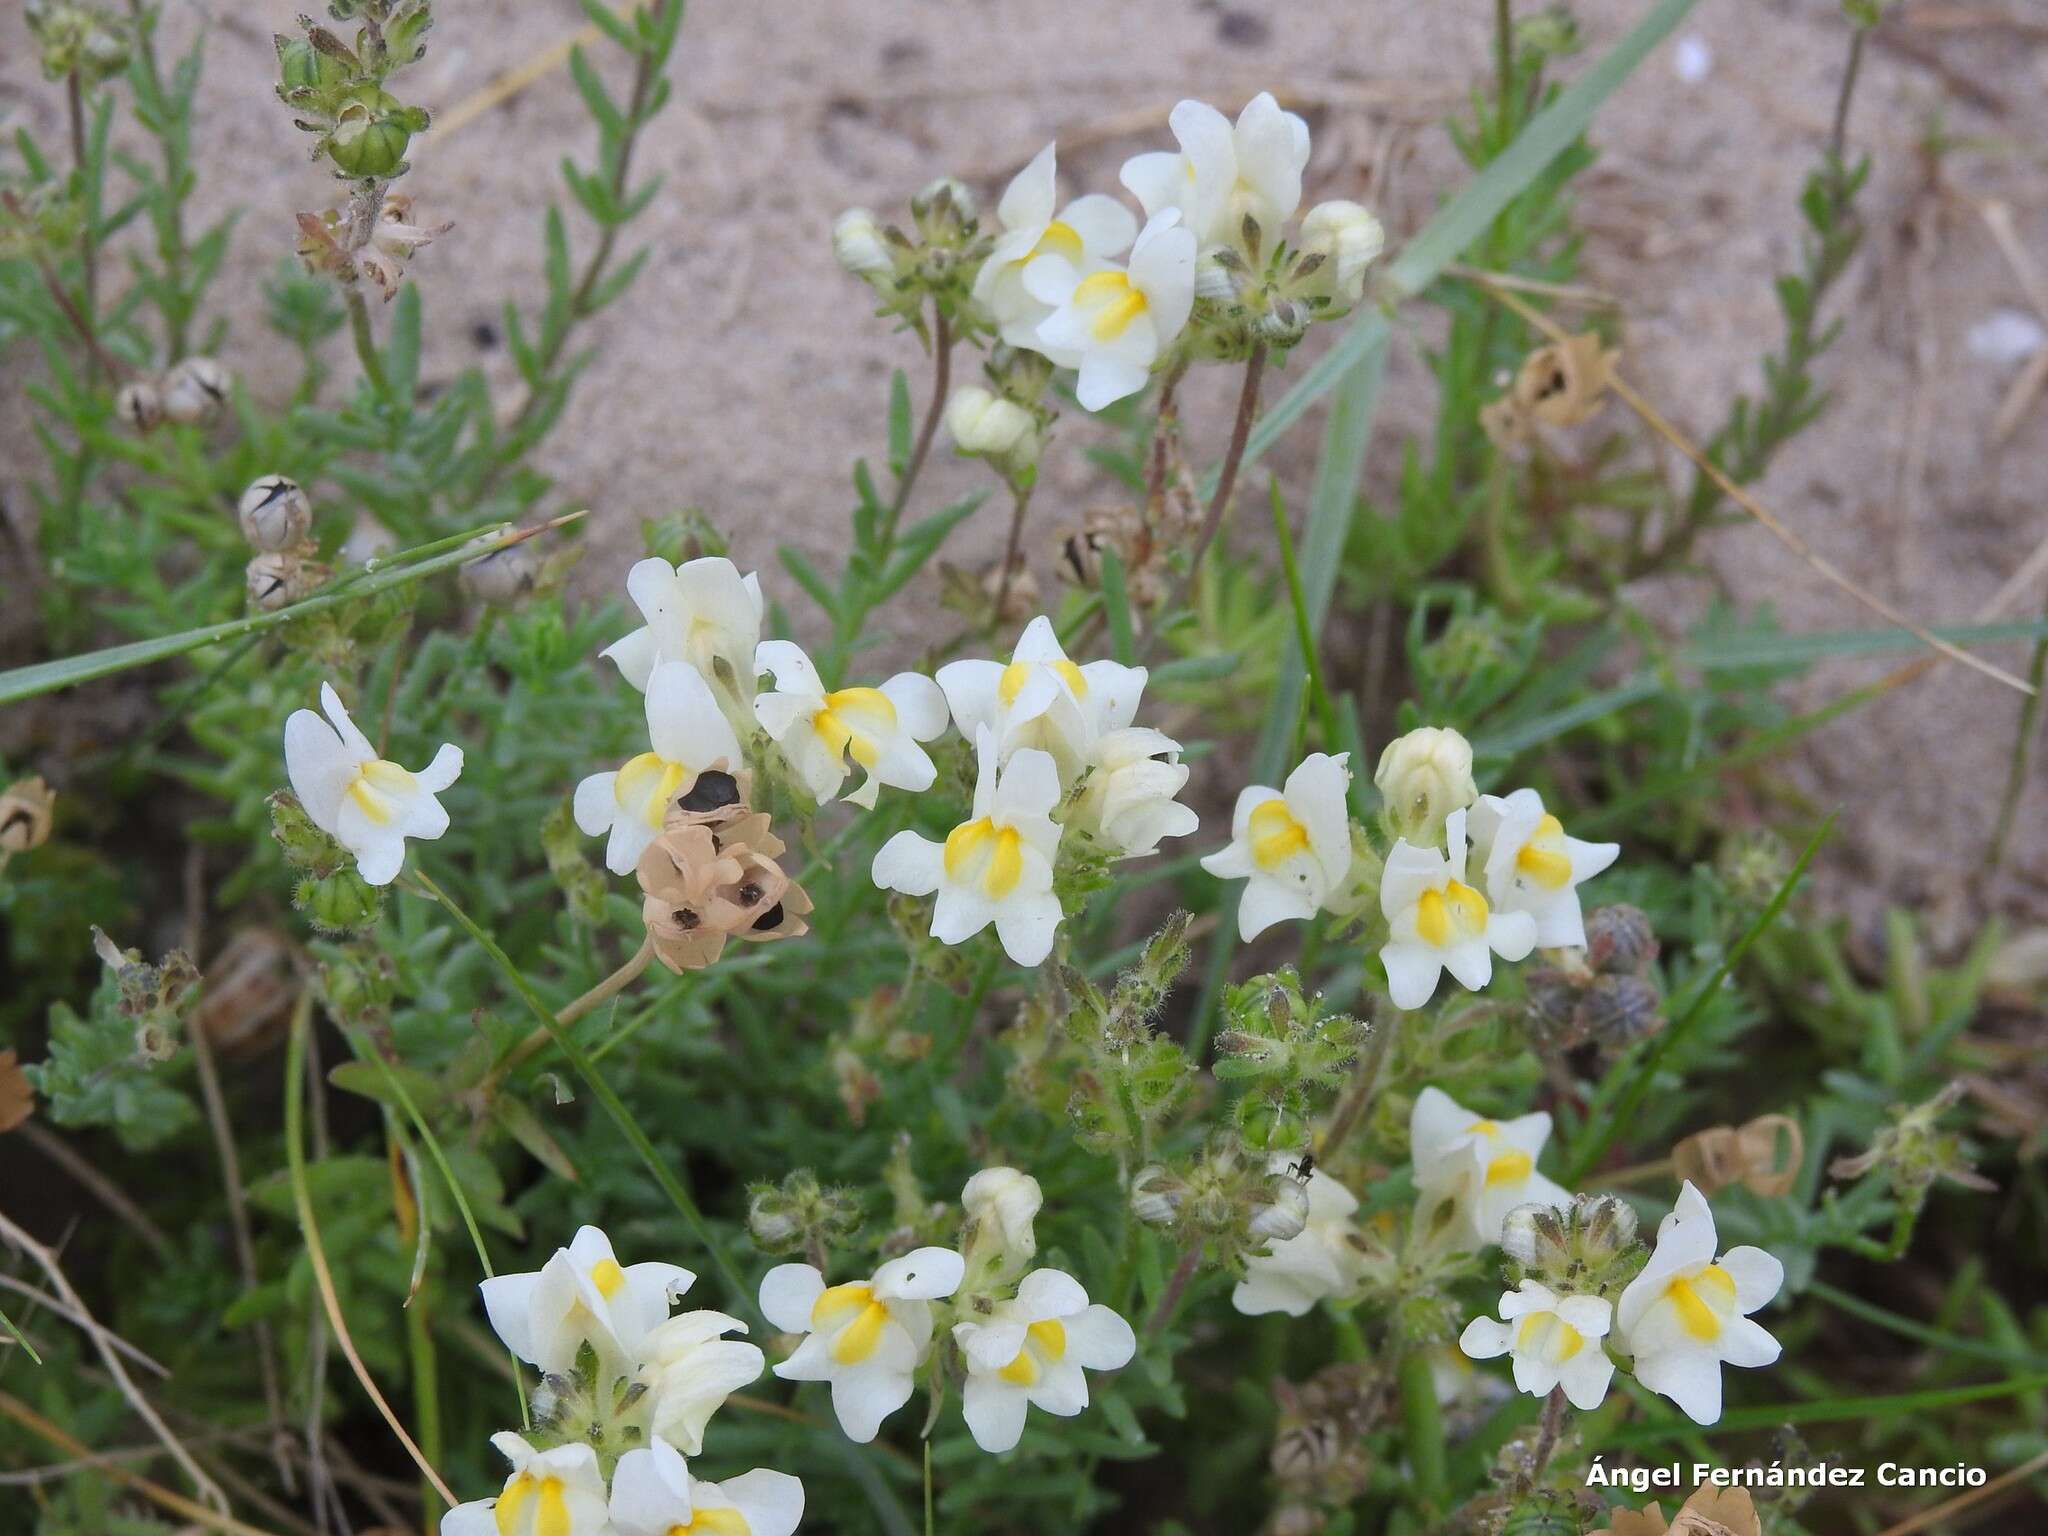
743, 374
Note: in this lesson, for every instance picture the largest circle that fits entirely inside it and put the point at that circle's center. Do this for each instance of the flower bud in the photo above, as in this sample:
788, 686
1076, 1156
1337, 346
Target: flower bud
1348, 239
1005, 1202
275, 514
1220, 275
799, 1215
26, 810
860, 247
1422, 778
944, 211
279, 578
987, 426
341, 903
140, 406
1156, 1195
195, 390
1284, 1216
1534, 1235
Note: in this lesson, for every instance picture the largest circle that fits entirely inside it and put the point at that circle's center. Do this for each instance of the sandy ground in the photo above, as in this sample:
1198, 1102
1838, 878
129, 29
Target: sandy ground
743, 375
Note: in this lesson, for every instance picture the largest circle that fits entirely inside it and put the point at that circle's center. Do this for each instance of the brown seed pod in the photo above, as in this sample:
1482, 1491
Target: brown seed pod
712, 876
1565, 383
249, 990
27, 807
1748, 1155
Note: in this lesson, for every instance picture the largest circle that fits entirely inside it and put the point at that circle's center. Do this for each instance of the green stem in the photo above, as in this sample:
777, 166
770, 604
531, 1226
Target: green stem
426, 1397
1422, 1429
599, 1089
366, 342
930, 1526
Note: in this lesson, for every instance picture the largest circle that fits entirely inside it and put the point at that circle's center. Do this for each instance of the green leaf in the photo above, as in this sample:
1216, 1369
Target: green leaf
807, 576
19, 1337
899, 423
402, 351
609, 119
606, 20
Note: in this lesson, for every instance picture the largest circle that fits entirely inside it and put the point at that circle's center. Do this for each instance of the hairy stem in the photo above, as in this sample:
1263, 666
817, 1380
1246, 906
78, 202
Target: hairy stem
1177, 1282
1021, 502
1226, 482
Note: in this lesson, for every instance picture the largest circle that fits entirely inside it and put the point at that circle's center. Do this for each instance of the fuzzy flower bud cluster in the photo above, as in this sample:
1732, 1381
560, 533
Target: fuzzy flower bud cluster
338, 90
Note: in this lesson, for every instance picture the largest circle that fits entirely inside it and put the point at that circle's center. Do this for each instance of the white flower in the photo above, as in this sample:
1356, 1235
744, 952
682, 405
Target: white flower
1482, 1168
866, 1339
689, 733
1032, 1350
1005, 1202
1532, 867
1083, 236
1349, 239
1688, 1312
653, 1494
880, 728
1115, 323
1127, 799
983, 423
1292, 845
368, 804
1319, 1262
1041, 699
691, 1369
702, 612
582, 1294
558, 1492
1223, 173
1555, 1340
995, 867
1437, 923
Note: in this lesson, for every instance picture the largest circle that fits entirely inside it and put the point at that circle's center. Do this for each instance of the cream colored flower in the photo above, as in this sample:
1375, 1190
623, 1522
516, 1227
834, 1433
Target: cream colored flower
1292, 846
1041, 699
1114, 324
703, 612
583, 1295
1320, 1261
689, 735
1348, 239
1532, 867
556, 1492
1555, 1341
1224, 172
1422, 777
1471, 1171
366, 803
690, 1369
1436, 922
1031, 1351
879, 728
1126, 802
653, 1494
1083, 236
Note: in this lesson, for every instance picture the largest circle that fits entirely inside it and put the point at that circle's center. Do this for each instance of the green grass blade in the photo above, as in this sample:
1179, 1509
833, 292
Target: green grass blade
1831, 1410
19, 1337
410, 566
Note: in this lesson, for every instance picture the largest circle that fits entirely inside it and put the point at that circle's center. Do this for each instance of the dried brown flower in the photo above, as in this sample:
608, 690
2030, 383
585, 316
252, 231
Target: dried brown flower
17, 1098
26, 808
249, 990
1560, 384
1748, 1155
713, 875
1710, 1511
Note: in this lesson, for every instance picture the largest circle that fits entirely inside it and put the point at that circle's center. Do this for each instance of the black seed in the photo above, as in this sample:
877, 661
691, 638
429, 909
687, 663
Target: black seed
772, 918
713, 791
685, 919
750, 893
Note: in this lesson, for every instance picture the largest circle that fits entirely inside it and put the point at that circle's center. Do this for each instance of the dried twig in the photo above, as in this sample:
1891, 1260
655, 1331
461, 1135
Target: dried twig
207, 1489
83, 1323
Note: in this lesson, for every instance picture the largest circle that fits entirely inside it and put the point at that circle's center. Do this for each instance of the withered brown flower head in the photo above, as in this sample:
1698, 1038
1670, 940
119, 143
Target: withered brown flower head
713, 875
1710, 1511
1748, 1155
25, 812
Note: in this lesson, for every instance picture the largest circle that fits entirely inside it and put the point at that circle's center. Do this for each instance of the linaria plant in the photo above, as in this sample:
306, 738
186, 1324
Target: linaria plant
1245, 1014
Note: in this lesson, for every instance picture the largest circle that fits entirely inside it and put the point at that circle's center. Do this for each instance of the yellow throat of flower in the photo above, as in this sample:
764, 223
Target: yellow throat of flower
644, 784
1549, 1336
725, 1521
854, 1317
550, 1506
855, 720
1275, 835
1114, 301
609, 1279
1043, 1341
981, 853
1018, 673
1703, 1301
1543, 858
378, 788
1450, 916
1060, 239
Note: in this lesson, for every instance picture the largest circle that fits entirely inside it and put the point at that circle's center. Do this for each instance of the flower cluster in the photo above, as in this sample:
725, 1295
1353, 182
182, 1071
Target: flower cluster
1209, 273
1055, 753
1019, 1337
1468, 876
627, 1392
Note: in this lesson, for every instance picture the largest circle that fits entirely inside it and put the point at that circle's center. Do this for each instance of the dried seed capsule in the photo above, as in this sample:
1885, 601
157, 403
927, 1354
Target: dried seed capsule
504, 575
26, 809
279, 578
275, 514
140, 404
1620, 939
195, 390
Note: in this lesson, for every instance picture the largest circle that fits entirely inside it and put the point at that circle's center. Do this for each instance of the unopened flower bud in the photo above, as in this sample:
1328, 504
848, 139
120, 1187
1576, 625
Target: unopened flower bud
279, 578
1620, 939
504, 575
1422, 778
26, 810
1619, 1010
859, 246
1608, 1224
1220, 275
1005, 1201
1285, 1214
1156, 1195
944, 211
140, 405
1534, 1235
195, 390
275, 513
340, 903
1348, 239
985, 425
